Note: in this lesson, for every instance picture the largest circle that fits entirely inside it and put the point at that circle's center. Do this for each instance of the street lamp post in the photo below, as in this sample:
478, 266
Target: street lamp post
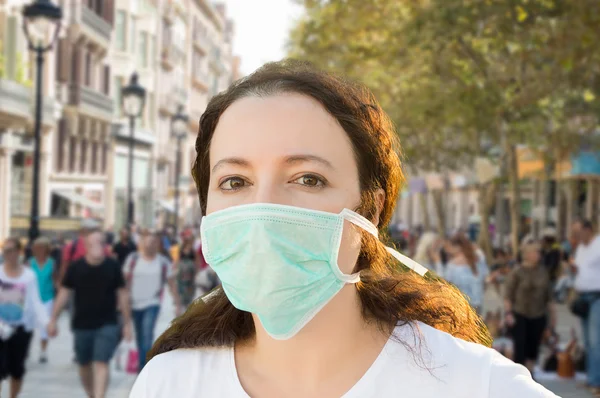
41, 23
179, 124
134, 97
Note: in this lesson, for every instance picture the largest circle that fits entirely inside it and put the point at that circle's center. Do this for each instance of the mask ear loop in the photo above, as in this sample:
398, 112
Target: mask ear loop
368, 226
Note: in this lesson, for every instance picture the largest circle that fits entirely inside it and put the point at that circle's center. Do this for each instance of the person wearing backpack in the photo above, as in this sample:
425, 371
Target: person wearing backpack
146, 273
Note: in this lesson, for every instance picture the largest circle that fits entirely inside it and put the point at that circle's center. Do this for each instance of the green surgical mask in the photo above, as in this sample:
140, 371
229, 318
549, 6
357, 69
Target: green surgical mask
281, 262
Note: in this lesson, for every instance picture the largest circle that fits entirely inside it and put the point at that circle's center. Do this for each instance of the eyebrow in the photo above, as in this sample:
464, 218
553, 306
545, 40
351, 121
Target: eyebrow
290, 160
233, 161
295, 159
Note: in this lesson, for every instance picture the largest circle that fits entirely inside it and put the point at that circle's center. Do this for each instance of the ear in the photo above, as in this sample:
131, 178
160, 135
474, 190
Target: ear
379, 203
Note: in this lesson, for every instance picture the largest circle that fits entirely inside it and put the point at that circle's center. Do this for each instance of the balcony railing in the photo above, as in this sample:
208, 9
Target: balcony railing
90, 24
201, 41
171, 56
16, 100
91, 101
96, 23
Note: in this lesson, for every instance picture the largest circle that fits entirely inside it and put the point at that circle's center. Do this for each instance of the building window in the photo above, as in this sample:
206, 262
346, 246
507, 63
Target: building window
117, 86
150, 110
99, 7
197, 59
143, 52
120, 30
72, 146
132, 34
83, 157
106, 80
75, 62
104, 157
60, 144
152, 50
88, 69
94, 157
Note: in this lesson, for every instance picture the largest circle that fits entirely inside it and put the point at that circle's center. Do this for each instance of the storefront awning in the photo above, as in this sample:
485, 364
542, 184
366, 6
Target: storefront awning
81, 200
168, 205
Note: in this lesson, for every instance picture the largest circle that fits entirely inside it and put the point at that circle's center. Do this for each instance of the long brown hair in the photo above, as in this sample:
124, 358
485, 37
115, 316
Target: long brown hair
389, 293
467, 249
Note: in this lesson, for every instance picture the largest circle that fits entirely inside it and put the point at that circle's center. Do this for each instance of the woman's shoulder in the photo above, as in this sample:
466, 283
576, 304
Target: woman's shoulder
454, 359
169, 373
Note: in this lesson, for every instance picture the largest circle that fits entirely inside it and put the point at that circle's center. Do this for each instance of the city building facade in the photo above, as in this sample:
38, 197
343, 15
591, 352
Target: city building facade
182, 52
17, 91
79, 176
134, 50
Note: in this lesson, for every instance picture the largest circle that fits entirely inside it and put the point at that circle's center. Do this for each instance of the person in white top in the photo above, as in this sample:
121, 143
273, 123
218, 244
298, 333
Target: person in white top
587, 285
147, 272
21, 310
297, 173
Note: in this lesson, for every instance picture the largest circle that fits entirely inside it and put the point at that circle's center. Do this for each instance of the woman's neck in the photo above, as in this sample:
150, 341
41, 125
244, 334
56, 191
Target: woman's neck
529, 265
41, 260
149, 256
13, 270
332, 345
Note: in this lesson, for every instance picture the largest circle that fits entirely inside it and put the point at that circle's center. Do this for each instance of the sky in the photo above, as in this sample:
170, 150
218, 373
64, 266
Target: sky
259, 39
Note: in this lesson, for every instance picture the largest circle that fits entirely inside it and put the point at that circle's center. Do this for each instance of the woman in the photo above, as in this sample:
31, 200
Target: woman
44, 267
312, 304
465, 269
528, 303
187, 269
147, 272
20, 311
428, 243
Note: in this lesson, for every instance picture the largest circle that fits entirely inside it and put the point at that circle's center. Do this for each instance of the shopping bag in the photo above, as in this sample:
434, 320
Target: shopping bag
132, 361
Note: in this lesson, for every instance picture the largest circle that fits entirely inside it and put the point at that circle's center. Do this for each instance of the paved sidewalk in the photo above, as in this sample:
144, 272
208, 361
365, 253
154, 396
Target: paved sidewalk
59, 377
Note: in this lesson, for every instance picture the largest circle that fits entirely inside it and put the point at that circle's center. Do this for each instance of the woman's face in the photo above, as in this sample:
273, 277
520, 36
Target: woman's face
451, 250
285, 149
40, 250
531, 255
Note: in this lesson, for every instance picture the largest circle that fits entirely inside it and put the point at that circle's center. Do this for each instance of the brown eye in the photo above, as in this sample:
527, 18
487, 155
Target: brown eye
232, 184
310, 180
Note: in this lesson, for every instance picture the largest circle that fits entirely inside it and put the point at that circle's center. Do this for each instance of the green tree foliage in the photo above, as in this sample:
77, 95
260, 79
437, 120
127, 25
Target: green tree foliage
454, 74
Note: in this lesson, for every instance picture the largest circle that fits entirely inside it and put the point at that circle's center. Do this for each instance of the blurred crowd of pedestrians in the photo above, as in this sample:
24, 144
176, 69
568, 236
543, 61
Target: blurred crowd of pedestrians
112, 286
531, 281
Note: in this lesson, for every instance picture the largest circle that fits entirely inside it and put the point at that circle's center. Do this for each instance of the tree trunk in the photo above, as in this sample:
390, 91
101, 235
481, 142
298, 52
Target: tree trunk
486, 198
547, 184
515, 196
424, 210
438, 200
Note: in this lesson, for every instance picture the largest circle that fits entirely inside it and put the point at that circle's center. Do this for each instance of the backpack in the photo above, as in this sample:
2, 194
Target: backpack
163, 274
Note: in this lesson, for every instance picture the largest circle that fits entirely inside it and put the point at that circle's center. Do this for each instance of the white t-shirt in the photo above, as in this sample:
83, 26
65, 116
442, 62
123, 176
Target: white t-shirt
455, 369
587, 260
147, 280
20, 303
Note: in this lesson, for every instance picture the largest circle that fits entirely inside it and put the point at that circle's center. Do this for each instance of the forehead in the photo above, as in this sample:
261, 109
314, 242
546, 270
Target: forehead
279, 125
9, 244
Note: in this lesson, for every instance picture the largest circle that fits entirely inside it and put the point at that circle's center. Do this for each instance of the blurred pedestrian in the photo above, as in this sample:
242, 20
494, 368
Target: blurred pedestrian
147, 272
551, 254
587, 303
98, 285
76, 249
110, 236
428, 243
20, 311
528, 304
56, 247
186, 268
124, 247
464, 269
46, 272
